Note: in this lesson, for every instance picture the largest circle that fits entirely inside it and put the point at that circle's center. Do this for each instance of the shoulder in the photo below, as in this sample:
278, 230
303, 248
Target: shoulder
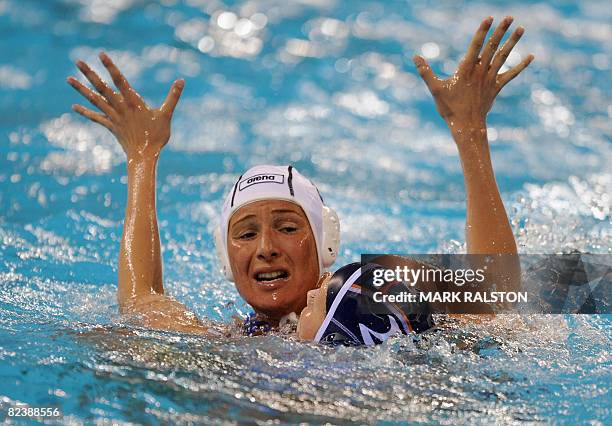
161, 312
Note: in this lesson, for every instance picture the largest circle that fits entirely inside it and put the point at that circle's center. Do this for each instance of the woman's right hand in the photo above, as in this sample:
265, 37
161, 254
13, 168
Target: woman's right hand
465, 99
142, 131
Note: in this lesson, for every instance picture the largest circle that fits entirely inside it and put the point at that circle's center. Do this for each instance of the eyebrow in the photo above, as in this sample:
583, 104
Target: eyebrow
284, 211
251, 216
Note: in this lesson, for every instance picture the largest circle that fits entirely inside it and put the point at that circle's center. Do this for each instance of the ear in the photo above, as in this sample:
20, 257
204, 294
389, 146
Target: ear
331, 237
222, 254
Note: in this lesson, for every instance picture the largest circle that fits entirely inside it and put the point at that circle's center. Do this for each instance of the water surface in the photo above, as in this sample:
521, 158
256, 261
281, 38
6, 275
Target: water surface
329, 87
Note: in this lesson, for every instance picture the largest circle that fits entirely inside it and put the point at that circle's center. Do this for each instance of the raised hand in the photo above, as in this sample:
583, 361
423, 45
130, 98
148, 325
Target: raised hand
465, 98
142, 131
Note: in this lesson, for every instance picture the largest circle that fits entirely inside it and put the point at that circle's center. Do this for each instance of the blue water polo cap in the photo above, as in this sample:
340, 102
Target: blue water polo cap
353, 316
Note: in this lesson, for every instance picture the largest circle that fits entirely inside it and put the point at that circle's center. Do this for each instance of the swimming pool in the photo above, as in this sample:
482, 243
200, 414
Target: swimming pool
329, 87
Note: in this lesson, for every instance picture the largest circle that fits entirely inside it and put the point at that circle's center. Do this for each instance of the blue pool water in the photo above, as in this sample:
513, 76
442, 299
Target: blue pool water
328, 86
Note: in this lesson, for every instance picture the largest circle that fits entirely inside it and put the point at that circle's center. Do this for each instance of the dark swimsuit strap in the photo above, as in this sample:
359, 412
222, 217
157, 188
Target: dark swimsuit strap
255, 327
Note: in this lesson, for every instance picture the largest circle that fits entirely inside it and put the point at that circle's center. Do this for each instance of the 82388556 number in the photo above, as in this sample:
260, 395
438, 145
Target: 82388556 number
25, 411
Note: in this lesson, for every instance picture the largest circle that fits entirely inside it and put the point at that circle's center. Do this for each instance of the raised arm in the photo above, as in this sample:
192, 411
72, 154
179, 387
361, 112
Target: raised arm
463, 101
142, 133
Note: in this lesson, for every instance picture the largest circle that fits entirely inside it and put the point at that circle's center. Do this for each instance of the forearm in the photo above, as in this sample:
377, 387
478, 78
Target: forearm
488, 229
141, 289
140, 264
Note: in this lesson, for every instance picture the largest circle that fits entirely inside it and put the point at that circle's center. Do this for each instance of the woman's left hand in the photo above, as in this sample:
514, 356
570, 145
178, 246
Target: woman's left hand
141, 130
464, 99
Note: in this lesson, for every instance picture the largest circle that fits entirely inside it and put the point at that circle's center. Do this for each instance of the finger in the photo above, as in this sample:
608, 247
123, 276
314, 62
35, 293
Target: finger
129, 94
491, 46
504, 52
173, 97
93, 116
504, 78
95, 98
425, 72
103, 88
474, 50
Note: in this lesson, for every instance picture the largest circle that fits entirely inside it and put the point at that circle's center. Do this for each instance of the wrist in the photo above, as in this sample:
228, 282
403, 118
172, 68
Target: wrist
139, 168
472, 126
139, 160
142, 150
469, 135
473, 150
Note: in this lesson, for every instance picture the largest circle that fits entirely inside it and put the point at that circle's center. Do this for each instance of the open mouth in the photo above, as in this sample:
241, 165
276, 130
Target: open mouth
265, 277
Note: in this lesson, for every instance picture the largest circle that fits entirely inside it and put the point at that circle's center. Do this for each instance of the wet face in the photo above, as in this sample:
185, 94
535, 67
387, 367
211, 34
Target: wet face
273, 256
314, 313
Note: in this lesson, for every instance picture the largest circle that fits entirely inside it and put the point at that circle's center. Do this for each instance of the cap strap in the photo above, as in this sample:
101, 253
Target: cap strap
290, 180
234, 192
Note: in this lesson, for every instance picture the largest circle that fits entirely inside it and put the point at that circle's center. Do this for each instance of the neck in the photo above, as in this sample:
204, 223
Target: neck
290, 318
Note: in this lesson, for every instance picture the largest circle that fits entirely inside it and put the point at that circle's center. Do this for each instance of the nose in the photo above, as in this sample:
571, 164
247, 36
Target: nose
267, 249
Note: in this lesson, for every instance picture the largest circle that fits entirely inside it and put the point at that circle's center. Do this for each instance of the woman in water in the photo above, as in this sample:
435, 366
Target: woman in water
276, 237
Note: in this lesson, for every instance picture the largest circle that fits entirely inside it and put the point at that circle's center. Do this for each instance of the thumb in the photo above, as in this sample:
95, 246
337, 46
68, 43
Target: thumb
173, 96
425, 72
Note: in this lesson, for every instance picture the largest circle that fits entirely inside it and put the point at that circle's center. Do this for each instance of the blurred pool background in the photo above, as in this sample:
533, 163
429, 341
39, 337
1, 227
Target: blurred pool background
329, 87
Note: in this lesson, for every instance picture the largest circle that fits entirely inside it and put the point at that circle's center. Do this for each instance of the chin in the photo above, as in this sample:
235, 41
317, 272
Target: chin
278, 302
275, 308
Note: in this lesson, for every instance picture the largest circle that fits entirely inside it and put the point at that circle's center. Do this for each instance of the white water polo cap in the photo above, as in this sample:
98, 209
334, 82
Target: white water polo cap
281, 183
